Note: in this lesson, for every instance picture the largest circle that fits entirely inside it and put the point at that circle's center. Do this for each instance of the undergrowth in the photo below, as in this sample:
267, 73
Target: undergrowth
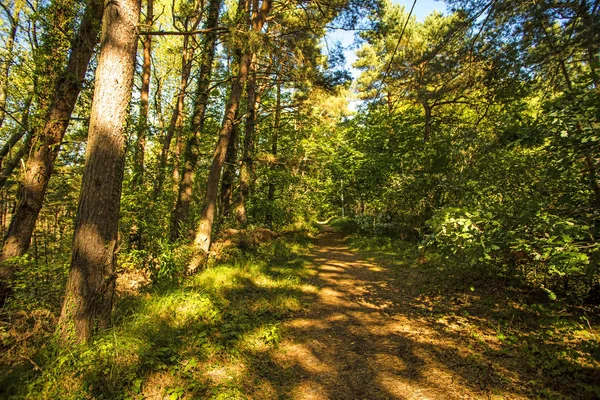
206, 337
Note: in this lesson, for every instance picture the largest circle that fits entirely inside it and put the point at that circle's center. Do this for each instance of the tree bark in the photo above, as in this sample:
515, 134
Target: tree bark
190, 164
275, 137
248, 151
229, 172
136, 232
45, 146
203, 237
90, 286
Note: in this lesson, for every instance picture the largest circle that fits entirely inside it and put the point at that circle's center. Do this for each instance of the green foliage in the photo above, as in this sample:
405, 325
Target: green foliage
457, 234
36, 285
506, 183
165, 263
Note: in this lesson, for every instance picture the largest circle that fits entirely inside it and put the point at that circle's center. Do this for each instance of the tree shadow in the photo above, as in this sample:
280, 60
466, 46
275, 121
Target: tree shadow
196, 341
332, 324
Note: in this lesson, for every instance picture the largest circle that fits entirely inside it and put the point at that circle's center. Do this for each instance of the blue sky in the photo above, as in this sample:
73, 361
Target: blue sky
422, 9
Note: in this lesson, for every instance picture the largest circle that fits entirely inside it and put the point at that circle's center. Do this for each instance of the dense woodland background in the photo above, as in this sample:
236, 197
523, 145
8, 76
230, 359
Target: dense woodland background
129, 147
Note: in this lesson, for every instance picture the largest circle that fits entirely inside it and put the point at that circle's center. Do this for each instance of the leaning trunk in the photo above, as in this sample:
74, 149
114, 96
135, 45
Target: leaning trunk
21, 130
229, 173
5, 64
275, 137
190, 164
90, 286
204, 231
11, 164
44, 150
241, 213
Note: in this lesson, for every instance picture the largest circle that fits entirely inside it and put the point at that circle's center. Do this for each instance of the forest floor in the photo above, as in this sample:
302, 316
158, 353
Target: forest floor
340, 317
388, 327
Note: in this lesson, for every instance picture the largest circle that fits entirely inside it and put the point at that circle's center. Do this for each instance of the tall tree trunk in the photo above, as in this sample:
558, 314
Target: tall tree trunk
229, 172
184, 195
176, 125
144, 96
45, 146
275, 137
7, 61
203, 237
136, 232
204, 230
427, 133
90, 286
250, 129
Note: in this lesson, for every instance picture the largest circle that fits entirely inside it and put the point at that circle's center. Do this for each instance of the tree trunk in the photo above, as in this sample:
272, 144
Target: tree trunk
90, 286
176, 126
136, 232
21, 130
45, 146
204, 231
229, 172
249, 133
15, 160
184, 195
427, 133
275, 137
144, 97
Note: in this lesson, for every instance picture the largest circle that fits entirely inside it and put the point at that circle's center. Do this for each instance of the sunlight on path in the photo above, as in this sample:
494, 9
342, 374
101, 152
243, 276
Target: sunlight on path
355, 342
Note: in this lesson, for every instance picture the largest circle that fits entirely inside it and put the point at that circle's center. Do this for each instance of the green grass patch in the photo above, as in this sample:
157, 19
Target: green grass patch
206, 338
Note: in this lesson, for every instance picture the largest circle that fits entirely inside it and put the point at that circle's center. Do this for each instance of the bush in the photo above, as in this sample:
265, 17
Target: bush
546, 251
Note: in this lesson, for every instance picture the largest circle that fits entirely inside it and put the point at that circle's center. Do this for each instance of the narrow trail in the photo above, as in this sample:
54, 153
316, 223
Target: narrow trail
357, 342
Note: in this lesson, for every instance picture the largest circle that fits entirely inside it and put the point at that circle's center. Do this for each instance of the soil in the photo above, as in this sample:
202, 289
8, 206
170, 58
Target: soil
360, 339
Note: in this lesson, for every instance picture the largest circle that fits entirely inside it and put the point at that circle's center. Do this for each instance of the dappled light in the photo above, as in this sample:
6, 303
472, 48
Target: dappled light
367, 336
299, 199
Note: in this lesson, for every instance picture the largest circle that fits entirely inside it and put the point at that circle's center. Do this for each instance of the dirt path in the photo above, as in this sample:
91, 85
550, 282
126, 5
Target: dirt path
357, 342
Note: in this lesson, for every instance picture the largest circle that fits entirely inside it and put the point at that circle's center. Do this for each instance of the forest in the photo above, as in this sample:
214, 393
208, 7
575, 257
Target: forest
203, 199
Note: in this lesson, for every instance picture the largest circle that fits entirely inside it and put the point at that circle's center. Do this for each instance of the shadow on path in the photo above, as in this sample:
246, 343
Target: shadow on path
351, 344
367, 335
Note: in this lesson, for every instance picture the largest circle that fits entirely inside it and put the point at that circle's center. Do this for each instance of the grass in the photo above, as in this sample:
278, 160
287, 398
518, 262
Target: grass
207, 338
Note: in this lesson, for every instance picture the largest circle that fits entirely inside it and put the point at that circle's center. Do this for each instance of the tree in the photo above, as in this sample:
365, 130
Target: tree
6, 61
136, 233
88, 298
46, 143
431, 63
175, 129
190, 163
203, 237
